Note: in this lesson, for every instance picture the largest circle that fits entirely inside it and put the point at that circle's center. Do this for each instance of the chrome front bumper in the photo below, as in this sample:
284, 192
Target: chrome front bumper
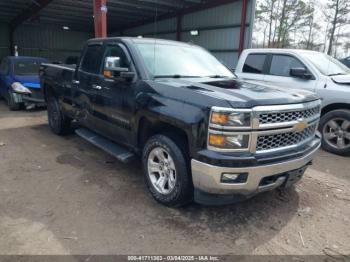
207, 178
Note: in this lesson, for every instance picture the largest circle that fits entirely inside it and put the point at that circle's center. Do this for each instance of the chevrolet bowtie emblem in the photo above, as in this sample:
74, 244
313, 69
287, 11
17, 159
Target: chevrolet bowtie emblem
300, 126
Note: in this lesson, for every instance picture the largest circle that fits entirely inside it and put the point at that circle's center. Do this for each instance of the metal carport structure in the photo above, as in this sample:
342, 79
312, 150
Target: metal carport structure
36, 26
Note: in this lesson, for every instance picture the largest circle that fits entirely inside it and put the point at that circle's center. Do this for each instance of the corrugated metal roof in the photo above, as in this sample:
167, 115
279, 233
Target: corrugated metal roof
78, 14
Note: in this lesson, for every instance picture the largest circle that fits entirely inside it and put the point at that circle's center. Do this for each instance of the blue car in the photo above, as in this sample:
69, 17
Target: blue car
19, 81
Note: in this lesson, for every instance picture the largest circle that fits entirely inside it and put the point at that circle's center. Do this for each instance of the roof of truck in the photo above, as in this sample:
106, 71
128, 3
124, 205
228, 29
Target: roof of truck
279, 50
140, 40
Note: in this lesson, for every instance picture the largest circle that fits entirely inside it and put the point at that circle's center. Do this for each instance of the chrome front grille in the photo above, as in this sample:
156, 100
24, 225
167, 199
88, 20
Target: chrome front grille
281, 117
279, 125
274, 128
283, 140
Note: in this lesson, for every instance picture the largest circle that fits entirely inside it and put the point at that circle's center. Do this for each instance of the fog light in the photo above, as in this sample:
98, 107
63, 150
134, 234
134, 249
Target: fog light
229, 176
234, 178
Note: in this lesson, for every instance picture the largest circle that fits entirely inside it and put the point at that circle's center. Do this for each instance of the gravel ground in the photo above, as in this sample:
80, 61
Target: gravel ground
61, 195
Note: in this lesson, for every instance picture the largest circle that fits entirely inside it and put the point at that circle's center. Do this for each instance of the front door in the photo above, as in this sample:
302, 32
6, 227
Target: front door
279, 73
114, 100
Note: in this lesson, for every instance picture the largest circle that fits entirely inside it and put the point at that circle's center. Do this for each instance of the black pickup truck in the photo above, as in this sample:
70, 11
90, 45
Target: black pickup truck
201, 133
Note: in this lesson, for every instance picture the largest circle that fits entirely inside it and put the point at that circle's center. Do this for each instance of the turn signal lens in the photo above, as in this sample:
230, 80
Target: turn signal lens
219, 118
229, 142
216, 140
230, 119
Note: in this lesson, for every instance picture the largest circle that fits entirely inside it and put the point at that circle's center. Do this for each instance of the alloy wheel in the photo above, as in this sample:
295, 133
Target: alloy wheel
336, 133
161, 170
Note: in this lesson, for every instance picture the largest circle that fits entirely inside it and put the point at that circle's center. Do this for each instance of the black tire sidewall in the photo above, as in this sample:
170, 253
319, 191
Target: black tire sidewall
60, 126
341, 113
183, 191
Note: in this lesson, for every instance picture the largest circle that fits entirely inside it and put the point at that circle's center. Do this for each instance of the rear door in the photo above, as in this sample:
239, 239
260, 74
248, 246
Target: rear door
278, 72
254, 67
85, 81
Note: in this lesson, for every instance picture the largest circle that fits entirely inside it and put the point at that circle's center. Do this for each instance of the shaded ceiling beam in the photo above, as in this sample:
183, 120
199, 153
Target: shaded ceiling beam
29, 12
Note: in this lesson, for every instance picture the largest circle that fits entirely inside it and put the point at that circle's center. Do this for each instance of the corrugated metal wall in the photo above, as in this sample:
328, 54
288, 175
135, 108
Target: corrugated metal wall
47, 41
4, 40
219, 30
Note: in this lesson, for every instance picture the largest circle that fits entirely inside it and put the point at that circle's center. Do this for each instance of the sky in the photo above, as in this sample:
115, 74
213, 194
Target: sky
258, 35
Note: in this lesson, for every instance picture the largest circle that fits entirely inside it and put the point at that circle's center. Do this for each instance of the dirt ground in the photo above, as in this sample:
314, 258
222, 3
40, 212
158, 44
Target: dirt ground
61, 195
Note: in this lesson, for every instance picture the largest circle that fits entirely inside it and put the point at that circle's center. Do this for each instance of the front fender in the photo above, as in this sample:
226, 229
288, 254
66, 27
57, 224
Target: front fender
192, 119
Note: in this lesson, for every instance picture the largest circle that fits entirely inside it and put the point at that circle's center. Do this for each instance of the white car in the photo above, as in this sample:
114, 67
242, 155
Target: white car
308, 70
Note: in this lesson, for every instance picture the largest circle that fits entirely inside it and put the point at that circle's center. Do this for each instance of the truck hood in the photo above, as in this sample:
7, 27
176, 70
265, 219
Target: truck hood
28, 81
341, 79
240, 93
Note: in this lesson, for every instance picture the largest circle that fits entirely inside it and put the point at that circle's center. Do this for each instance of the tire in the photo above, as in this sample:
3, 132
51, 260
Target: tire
13, 106
335, 129
180, 189
58, 122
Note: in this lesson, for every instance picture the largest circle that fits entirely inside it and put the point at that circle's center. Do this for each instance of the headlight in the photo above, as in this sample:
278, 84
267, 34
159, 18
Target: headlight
230, 118
19, 88
232, 141
229, 129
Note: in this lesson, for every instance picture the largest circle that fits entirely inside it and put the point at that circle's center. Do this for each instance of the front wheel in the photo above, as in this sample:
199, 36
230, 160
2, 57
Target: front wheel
166, 171
335, 129
58, 122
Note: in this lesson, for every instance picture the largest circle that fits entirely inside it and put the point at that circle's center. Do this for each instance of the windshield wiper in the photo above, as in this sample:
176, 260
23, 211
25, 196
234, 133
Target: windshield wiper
175, 76
337, 74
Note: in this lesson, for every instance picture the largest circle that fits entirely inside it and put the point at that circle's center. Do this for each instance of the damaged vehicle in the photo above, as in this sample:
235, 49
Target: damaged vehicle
19, 82
202, 134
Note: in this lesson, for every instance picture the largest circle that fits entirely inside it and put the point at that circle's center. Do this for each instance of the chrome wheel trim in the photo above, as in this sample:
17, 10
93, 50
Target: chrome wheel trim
161, 170
336, 133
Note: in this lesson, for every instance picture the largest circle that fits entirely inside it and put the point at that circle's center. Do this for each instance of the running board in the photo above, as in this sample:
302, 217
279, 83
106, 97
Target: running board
110, 147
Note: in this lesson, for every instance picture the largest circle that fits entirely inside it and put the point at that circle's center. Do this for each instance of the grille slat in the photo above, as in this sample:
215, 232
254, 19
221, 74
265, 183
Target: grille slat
281, 117
280, 140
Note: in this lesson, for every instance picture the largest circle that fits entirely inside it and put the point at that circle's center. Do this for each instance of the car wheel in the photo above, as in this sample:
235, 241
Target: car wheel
166, 171
13, 106
335, 129
58, 122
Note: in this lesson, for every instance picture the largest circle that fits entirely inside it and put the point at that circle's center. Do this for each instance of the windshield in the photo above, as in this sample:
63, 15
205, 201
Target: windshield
167, 60
327, 65
26, 68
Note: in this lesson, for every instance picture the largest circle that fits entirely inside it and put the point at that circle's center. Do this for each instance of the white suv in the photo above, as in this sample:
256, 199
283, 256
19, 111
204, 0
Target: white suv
310, 70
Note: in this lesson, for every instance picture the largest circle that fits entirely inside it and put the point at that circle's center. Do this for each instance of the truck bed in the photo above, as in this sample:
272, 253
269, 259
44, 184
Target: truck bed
59, 77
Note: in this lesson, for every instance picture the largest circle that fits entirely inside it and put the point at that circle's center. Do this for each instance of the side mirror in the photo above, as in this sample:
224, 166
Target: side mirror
113, 64
113, 68
300, 72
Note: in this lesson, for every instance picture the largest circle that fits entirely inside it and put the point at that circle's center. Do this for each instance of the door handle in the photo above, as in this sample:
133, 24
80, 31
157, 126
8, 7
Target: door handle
97, 87
76, 82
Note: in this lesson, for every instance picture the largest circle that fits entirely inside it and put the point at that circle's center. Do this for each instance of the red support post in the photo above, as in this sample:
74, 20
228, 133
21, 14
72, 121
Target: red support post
243, 26
100, 18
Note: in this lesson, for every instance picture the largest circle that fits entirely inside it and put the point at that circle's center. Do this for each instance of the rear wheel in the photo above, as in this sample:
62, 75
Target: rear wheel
166, 171
335, 129
58, 122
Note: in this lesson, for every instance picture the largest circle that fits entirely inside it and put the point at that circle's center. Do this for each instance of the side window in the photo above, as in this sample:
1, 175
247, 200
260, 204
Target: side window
254, 64
92, 59
281, 65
